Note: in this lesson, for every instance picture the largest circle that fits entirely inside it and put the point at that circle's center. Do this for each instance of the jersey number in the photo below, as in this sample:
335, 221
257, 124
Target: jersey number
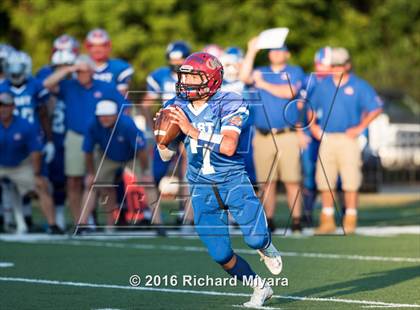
207, 168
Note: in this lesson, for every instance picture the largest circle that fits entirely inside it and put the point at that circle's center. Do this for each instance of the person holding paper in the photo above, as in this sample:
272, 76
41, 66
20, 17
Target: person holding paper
276, 143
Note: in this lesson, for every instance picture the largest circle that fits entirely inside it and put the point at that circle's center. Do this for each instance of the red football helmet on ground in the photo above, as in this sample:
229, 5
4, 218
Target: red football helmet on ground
208, 76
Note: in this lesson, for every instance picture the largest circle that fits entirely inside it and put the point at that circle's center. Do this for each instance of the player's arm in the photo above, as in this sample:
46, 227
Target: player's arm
245, 75
124, 79
44, 118
355, 131
225, 143
51, 82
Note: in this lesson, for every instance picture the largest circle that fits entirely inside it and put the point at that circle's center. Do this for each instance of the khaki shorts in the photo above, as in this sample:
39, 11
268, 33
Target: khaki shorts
22, 176
74, 157
106, 169
340, 155
282, 163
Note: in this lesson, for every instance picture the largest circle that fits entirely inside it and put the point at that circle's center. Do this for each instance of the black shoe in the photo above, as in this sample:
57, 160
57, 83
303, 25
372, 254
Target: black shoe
161, 232
307, 220
296, 226
271, 225
81, 231
54, 230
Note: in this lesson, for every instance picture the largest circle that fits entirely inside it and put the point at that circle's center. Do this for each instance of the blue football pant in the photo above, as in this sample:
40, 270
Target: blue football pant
211, 220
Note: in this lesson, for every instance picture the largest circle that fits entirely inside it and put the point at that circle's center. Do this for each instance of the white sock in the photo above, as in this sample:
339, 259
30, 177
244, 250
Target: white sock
329, 211
258, 282
60, 217
351, 211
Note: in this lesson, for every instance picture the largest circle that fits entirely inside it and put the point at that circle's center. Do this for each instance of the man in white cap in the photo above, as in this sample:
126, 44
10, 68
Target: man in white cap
121, 144
20, 163
344, 105
80, 95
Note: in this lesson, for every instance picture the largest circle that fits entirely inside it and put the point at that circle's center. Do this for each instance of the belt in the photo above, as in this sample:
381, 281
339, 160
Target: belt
275, 131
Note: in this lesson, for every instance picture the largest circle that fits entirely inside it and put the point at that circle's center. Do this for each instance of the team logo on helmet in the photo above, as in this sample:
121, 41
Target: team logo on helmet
213, 63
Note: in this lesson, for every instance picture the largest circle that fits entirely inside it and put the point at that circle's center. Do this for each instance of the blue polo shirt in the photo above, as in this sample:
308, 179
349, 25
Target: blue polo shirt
81, 102
274, 112
123, 141
18, 141
28, 98
353, 99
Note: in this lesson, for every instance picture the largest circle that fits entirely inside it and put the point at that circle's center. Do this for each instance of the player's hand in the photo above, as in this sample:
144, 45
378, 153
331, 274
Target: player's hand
354, 132
303, 140
178, 117
40, 182
316, 132
89, 179
258, 78
252, 45
157, 115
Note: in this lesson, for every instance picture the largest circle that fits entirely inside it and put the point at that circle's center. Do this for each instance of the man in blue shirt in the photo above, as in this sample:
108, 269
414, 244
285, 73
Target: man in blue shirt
344, 105
80, 95
20, 145
110, 70
211, 123
276, 144
121, 144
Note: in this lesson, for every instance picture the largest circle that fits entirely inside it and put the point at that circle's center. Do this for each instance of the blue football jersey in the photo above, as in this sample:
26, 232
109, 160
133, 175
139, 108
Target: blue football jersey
58, 126
161, 84
28, 98
224, 111
115, 71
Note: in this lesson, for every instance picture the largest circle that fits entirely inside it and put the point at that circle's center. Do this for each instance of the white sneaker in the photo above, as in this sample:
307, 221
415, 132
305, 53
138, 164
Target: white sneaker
272, 259
262, 293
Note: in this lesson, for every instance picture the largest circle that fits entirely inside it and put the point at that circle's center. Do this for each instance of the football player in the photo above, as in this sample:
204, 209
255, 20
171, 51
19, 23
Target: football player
211, 122
5, 51
309, 154
30, 99
64, 53
161, 86
110, 70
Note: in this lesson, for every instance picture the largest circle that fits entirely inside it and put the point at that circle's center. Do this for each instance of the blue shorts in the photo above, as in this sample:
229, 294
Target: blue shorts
211, 220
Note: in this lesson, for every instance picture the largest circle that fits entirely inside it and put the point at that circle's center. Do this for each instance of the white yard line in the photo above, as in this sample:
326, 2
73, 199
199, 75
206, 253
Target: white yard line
239, 251
197, 292
6, 264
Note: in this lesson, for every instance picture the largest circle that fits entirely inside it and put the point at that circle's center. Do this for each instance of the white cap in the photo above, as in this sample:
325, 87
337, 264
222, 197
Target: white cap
106, 107
339, 56
63, 57
85, 59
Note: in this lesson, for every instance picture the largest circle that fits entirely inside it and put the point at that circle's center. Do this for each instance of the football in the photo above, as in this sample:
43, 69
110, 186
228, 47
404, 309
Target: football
165, 132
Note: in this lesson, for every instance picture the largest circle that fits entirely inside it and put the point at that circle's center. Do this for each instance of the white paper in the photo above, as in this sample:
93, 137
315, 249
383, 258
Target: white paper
272, 38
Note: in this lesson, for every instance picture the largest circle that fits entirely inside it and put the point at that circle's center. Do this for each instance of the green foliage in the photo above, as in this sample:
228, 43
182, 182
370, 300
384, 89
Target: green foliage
383, 36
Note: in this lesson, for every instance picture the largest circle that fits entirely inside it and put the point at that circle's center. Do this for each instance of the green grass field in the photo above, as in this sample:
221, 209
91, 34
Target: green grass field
330, 272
